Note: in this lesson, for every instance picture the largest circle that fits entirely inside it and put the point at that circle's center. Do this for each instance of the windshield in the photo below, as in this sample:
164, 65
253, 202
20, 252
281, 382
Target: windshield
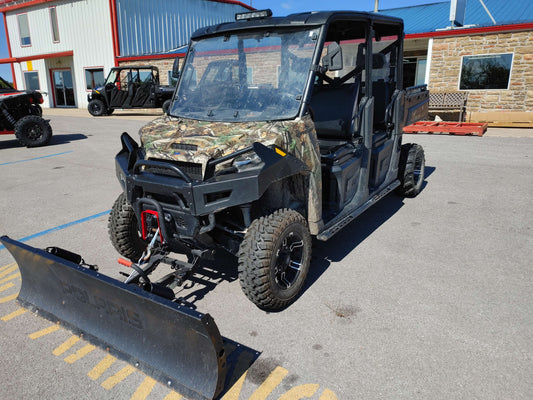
257, 76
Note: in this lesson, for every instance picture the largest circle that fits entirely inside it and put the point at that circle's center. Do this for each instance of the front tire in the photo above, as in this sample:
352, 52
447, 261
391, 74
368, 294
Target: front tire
274, 259
97, 108
123, 230
411, 170
33, 131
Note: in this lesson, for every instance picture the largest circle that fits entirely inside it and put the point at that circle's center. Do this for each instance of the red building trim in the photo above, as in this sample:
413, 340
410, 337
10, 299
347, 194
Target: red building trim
236, 3
22, 5
36, 57
114, 30
472, 31
10, 54
151, 57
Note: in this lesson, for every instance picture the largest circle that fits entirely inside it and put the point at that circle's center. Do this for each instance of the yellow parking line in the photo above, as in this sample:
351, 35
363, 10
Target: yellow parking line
65, 346
144, 389
10, 277
112, 381
8, 298
328, 395
299, 392
270, 383
6, 266
8, 270
101, 367
43, 332
243, 362
14, 314
173, 396
6, 286
80, 353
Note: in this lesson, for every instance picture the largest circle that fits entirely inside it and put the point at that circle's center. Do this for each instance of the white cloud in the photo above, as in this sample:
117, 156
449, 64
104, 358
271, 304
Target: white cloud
286, 6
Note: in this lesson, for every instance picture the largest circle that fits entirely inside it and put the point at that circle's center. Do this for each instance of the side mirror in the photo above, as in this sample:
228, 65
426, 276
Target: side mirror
176, 68
333, 58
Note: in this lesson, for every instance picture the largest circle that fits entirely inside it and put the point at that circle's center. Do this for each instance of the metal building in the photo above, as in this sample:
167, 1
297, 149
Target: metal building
64, 48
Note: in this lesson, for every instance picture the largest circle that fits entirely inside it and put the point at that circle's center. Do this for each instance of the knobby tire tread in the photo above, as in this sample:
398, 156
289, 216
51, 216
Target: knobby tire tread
255, 256
122, 228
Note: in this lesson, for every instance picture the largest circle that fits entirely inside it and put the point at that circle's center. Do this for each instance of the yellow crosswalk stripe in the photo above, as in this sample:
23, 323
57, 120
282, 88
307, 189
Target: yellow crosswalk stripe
300, 392
14, 314
101, 367
144, 389
10, 277
173, 396
8, 270
80, 353
6, 286
65, 346
8, 298
112, 381
43, 332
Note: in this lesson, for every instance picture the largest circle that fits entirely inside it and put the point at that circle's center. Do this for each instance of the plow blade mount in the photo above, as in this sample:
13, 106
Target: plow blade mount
175, 345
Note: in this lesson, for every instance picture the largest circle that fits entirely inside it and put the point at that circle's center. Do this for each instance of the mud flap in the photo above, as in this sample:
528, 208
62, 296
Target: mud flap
175, 345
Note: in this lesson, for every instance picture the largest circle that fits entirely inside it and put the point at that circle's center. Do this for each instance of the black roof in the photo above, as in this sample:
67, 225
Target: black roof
316, 18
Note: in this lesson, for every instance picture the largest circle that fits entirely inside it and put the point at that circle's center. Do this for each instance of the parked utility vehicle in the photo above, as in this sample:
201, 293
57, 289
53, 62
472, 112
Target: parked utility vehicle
280, 129
21, 114
135, 86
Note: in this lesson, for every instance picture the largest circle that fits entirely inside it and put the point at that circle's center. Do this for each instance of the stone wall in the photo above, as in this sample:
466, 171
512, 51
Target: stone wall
446, 67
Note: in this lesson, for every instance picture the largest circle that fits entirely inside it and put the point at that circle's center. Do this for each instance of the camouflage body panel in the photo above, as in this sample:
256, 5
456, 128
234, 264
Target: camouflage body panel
187, 140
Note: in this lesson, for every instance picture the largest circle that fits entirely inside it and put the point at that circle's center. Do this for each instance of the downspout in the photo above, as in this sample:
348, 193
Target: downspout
9, 50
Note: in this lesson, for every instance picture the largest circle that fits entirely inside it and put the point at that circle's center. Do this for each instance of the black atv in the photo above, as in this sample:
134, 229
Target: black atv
130, 87
21, 114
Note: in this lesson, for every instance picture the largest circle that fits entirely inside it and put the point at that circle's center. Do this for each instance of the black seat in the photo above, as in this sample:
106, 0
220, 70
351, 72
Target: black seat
332, 110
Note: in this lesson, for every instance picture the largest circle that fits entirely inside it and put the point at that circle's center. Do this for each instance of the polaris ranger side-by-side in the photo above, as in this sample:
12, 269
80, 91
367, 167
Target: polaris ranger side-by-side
280, 129
132, 86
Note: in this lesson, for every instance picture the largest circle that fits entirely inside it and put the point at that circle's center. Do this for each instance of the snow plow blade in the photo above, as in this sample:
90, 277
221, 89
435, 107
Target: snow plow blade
175, 345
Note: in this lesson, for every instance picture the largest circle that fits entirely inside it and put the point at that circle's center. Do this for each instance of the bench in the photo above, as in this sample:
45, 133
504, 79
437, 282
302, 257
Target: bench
448, 101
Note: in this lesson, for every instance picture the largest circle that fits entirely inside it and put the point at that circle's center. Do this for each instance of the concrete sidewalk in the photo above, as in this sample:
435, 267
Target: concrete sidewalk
150, 114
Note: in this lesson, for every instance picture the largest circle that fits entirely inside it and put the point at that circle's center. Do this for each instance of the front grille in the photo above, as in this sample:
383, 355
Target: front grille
194, 170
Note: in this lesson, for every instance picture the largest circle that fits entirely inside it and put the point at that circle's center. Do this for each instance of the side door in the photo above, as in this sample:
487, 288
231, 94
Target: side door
385, 83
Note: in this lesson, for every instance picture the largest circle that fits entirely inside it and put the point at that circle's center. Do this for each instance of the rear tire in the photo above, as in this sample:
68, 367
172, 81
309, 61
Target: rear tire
123, 230
33, 131
274, 259
411, 170
97, 108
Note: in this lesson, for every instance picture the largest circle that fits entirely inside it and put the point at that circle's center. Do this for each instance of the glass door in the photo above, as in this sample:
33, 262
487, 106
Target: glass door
63, 88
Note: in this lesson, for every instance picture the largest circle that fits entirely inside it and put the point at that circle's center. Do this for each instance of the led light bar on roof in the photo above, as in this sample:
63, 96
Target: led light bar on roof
259, 14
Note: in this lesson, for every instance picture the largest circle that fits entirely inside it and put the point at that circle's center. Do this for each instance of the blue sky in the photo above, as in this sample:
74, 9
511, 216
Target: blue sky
279, 8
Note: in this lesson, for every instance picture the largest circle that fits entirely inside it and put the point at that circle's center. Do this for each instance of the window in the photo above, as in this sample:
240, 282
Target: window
31, 80
94, 77
489, 71
53, 21
24, 30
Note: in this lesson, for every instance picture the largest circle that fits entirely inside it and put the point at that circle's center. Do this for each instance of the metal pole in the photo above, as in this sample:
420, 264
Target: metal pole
376, 6
487, 10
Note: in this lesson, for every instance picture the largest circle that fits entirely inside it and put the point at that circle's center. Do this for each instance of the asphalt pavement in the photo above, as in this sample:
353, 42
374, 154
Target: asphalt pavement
424, 298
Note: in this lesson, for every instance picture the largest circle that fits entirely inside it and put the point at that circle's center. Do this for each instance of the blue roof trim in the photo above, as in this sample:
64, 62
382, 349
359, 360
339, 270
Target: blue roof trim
430, 17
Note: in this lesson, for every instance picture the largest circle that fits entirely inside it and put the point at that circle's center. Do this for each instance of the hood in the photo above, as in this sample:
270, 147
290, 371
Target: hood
187, 140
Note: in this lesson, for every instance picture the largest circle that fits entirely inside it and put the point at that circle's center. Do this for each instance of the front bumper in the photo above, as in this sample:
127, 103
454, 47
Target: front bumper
186, 206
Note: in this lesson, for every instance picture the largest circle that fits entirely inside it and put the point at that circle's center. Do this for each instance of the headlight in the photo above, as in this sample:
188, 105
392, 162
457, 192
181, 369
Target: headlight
248, 159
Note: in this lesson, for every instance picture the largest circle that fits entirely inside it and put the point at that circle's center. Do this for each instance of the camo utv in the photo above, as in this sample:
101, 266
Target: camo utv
280, 129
